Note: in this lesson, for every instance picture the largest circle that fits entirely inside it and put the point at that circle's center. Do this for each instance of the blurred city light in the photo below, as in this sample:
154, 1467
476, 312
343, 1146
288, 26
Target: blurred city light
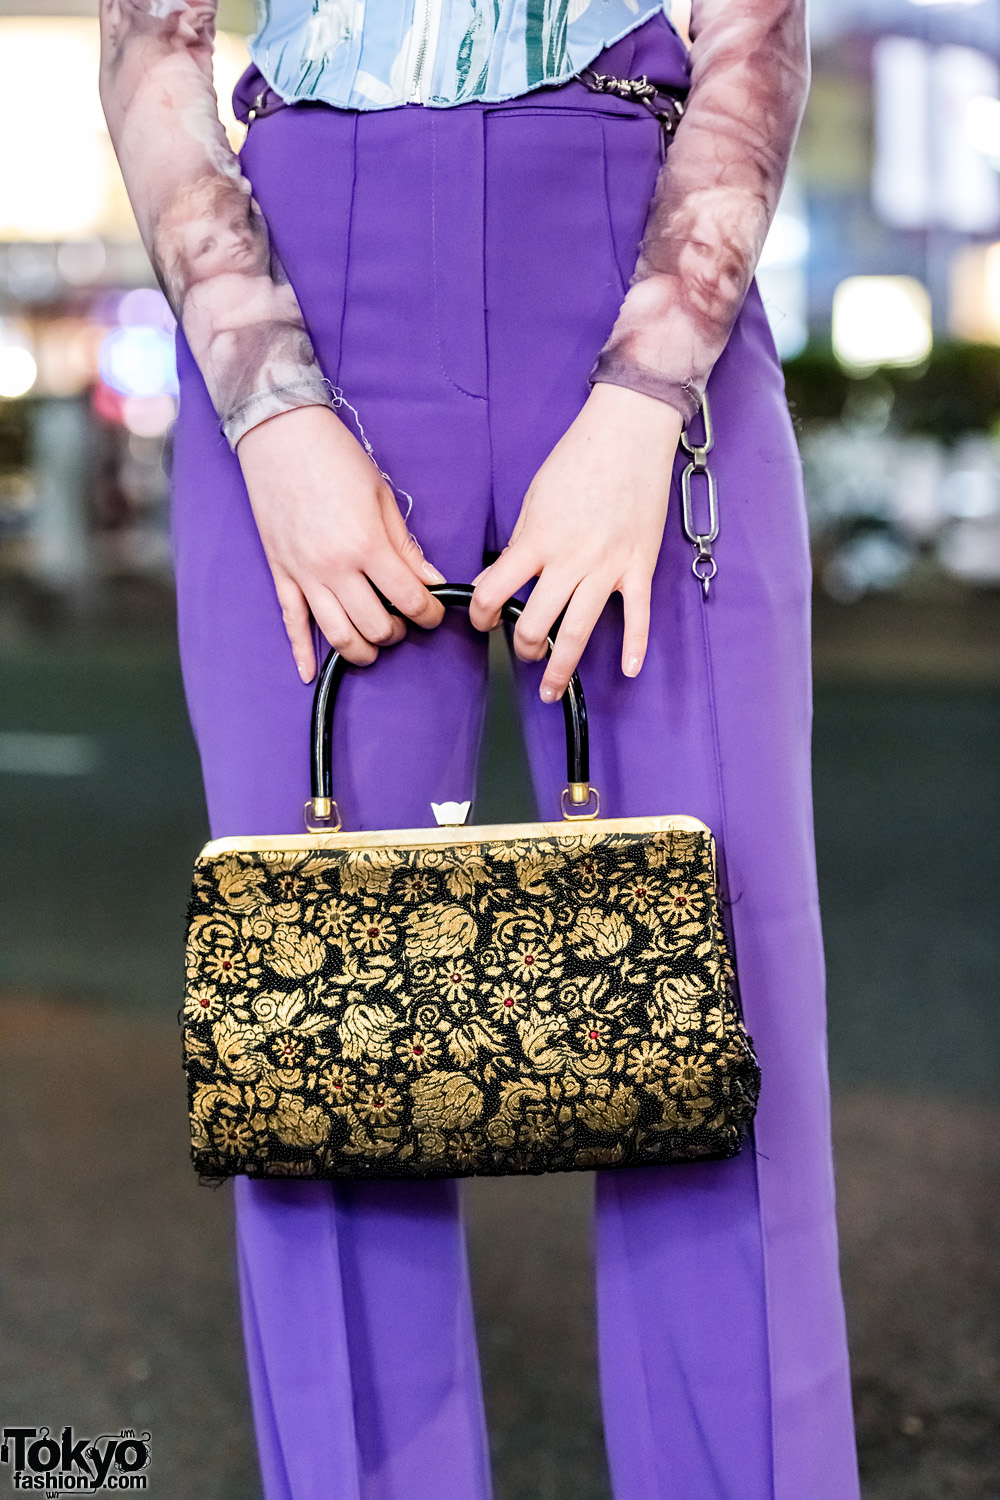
148, 416
781, 272
787, 243
66, 350
81, 262
147, 306
934, 120
881, 320
982, 126
17, 370
901, 186
138, 360
967, 190
975, 294
59, 180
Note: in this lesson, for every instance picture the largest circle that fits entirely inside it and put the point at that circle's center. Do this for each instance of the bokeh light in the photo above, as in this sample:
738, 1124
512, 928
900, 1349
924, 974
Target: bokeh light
138, 360
148, 416
974, 313
58, 176
67, 351
59, 179
881, 320
982, 126
82, 262
145, 305
18, 370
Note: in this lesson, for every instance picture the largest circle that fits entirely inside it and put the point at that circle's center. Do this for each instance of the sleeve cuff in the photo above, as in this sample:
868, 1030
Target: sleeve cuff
310, 390
611, 369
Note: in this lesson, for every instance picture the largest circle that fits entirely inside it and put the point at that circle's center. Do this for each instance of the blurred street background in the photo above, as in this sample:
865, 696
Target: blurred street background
881, 277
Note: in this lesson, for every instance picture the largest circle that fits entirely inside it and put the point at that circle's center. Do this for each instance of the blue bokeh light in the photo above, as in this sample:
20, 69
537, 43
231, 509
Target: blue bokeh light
138, 360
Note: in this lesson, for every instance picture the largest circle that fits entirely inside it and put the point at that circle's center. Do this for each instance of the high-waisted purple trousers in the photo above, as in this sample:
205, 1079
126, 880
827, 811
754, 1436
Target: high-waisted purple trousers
459, 269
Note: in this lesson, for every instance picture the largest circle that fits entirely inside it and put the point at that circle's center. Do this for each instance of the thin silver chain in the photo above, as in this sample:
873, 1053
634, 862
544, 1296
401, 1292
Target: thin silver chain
339, 400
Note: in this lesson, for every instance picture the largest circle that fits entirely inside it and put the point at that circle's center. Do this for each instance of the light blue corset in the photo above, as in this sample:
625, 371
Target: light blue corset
375, 54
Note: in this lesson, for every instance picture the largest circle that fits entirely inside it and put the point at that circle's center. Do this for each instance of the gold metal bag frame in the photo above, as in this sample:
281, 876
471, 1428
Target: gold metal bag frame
448, 1001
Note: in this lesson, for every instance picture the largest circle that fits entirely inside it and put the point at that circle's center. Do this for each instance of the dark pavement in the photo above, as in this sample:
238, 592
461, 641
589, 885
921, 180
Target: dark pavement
117, 1300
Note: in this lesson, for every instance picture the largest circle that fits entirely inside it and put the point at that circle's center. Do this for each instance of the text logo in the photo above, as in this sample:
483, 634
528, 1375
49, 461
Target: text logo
67, 1464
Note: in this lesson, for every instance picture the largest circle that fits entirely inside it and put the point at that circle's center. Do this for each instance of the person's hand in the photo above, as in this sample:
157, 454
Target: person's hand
331, 528
591, 525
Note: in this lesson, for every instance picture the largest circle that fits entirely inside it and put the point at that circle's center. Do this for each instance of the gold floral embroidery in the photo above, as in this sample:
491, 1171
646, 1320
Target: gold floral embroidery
457, 981
366, 1030
203, 1003
296, 1123
689, 1075
648, 1061
680, 1001
508, 1007
337, 1085
440, 932
420, 1051
377, 1105
295, 952
239, 883
683, 903
449, 1101
506, 1002
259, 926
600, 934
373, 933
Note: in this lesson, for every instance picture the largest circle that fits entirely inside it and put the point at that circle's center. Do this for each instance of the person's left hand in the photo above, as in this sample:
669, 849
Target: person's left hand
590, 526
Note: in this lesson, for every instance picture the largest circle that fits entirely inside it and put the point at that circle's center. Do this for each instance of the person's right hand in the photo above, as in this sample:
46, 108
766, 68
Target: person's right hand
331, 528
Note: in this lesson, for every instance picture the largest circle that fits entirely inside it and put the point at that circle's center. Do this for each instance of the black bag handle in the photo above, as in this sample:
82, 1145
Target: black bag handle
321, 810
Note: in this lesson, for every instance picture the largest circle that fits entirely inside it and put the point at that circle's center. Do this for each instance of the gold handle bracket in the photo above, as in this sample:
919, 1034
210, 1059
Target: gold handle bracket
579, 794
322, 815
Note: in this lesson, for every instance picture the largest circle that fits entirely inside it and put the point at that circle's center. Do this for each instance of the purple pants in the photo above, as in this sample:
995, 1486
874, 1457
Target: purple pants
459, 269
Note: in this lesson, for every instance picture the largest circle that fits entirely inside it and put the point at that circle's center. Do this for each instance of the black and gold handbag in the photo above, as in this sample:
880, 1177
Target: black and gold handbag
448, 1001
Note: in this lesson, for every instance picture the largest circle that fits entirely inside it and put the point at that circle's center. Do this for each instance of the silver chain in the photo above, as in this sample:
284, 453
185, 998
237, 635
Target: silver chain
704, 566
339, 399
662, 102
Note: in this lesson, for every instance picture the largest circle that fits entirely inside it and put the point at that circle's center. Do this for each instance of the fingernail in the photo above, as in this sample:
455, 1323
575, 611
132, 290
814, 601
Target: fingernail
547, 694
303, 672
429, 571
632, 666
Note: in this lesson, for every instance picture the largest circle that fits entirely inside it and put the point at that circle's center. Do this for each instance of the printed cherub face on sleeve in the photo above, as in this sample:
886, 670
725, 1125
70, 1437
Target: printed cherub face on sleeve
210, 229
711, 257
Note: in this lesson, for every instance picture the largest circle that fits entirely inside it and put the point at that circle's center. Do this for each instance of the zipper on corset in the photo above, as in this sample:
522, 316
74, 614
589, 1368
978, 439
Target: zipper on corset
416, 92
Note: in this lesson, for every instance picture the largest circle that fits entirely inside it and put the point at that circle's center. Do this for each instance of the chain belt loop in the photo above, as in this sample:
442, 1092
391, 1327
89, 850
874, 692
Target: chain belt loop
703, 566
662, 102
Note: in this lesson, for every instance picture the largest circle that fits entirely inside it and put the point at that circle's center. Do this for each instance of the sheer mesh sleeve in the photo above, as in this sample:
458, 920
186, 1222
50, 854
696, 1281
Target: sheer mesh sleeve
204, 233
714, 200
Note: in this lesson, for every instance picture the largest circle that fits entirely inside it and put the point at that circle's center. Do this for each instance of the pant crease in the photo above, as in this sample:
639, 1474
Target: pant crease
750, 1145
605, 1352
345, 249
260, 1390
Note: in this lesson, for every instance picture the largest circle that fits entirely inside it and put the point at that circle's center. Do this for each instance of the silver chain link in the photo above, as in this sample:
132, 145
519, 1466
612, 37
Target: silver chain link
662, 102
703, 566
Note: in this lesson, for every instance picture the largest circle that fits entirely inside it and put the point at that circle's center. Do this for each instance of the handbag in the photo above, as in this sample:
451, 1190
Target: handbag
448, 1001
